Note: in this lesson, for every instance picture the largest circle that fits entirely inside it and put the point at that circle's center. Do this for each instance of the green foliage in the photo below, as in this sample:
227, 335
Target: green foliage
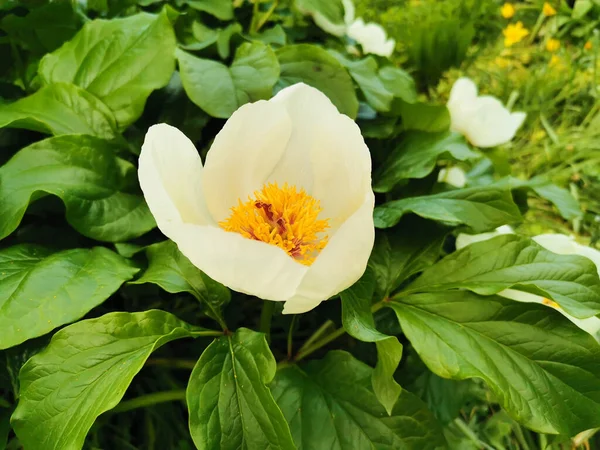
423, 352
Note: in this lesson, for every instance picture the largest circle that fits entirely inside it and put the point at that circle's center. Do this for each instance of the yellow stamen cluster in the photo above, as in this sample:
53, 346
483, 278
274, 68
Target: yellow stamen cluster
285, 217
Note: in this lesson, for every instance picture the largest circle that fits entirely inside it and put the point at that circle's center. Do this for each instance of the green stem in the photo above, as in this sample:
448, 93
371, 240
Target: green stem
266, 15
186, 364
290, 340
471, 435
255, 13
149, 400
317, 334
320, 343
521, 437
536, 28
207, 333
265, 318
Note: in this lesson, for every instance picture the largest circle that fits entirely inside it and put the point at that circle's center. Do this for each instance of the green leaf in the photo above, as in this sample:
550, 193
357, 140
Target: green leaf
481, 209
399, 83
85, 371
316, 67
224, 39
542, 369
416, 156
99, 189
329, 15
221, 9
412, 246
60, 108
229, 404
43, 29
364, 72
358, 321
40, 291
422, 116
120, 61
517, 262
330, 404
4, 426
220, 90
172, 271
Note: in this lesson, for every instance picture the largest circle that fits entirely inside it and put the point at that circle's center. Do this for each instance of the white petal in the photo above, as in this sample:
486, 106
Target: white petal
242, 264
372, 37
326, 155
463, 92
349, 11
341, 263
170, 174
244, 154
462, 240
454, 176
300, 305
566, 245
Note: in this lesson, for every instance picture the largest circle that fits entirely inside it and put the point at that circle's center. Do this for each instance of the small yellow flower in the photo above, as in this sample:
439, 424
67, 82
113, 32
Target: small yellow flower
538, 135
507, 10
588, 45
548, 10
555, 61
501, 62
514, 33
552, 45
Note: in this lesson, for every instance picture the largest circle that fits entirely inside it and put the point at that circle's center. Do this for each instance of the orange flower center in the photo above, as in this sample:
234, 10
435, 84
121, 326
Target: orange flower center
285, 217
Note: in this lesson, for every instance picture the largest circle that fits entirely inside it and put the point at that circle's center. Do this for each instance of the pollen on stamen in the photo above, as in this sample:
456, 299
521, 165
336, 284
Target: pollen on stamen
286, 217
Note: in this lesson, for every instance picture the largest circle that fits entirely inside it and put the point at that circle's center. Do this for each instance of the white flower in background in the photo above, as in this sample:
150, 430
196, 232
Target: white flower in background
556, 243
283, 207
371, 36
483, 120
454, 176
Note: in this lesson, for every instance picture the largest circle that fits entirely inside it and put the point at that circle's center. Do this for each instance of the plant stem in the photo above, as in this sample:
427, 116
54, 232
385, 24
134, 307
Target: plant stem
290, 336
149, 400
471, 435
266, 15
317, 334
317, 345
187, 364
265, 318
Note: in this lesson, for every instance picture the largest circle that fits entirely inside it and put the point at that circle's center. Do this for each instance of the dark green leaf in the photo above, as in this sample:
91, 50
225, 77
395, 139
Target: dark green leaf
416, 156
98, 188
364, 72
4, 426
316, 67
222, 9
412, 246
422, 116
399, 83
330, 404
172, 271
120, 61
543, 369
229, 403
358, 321
40, 291
220, 90
84, 371
517, 262
60, 108
481, 209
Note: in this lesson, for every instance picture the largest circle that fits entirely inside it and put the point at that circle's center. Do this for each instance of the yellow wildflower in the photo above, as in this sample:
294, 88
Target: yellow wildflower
552, 45
548, 10
507, 10
501, 62
588, 45
514, 33
555, 61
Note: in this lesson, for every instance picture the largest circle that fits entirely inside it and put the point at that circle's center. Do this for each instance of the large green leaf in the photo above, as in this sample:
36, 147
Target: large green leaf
329, 15
410, 247
517, 262
399, 83
543, 369
316, 67
422, 116
416, 156
172, 271
364, 72
98, 188
85, 371
220, 90
120, 61
229, 403
481, 209
60, 108
358, 321
40, 291
330, 404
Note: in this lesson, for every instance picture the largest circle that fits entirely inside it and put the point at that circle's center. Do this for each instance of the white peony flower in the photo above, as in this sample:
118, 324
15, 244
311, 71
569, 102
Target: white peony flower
483, 120
454, 176
556, 243
371, 36
283, 207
